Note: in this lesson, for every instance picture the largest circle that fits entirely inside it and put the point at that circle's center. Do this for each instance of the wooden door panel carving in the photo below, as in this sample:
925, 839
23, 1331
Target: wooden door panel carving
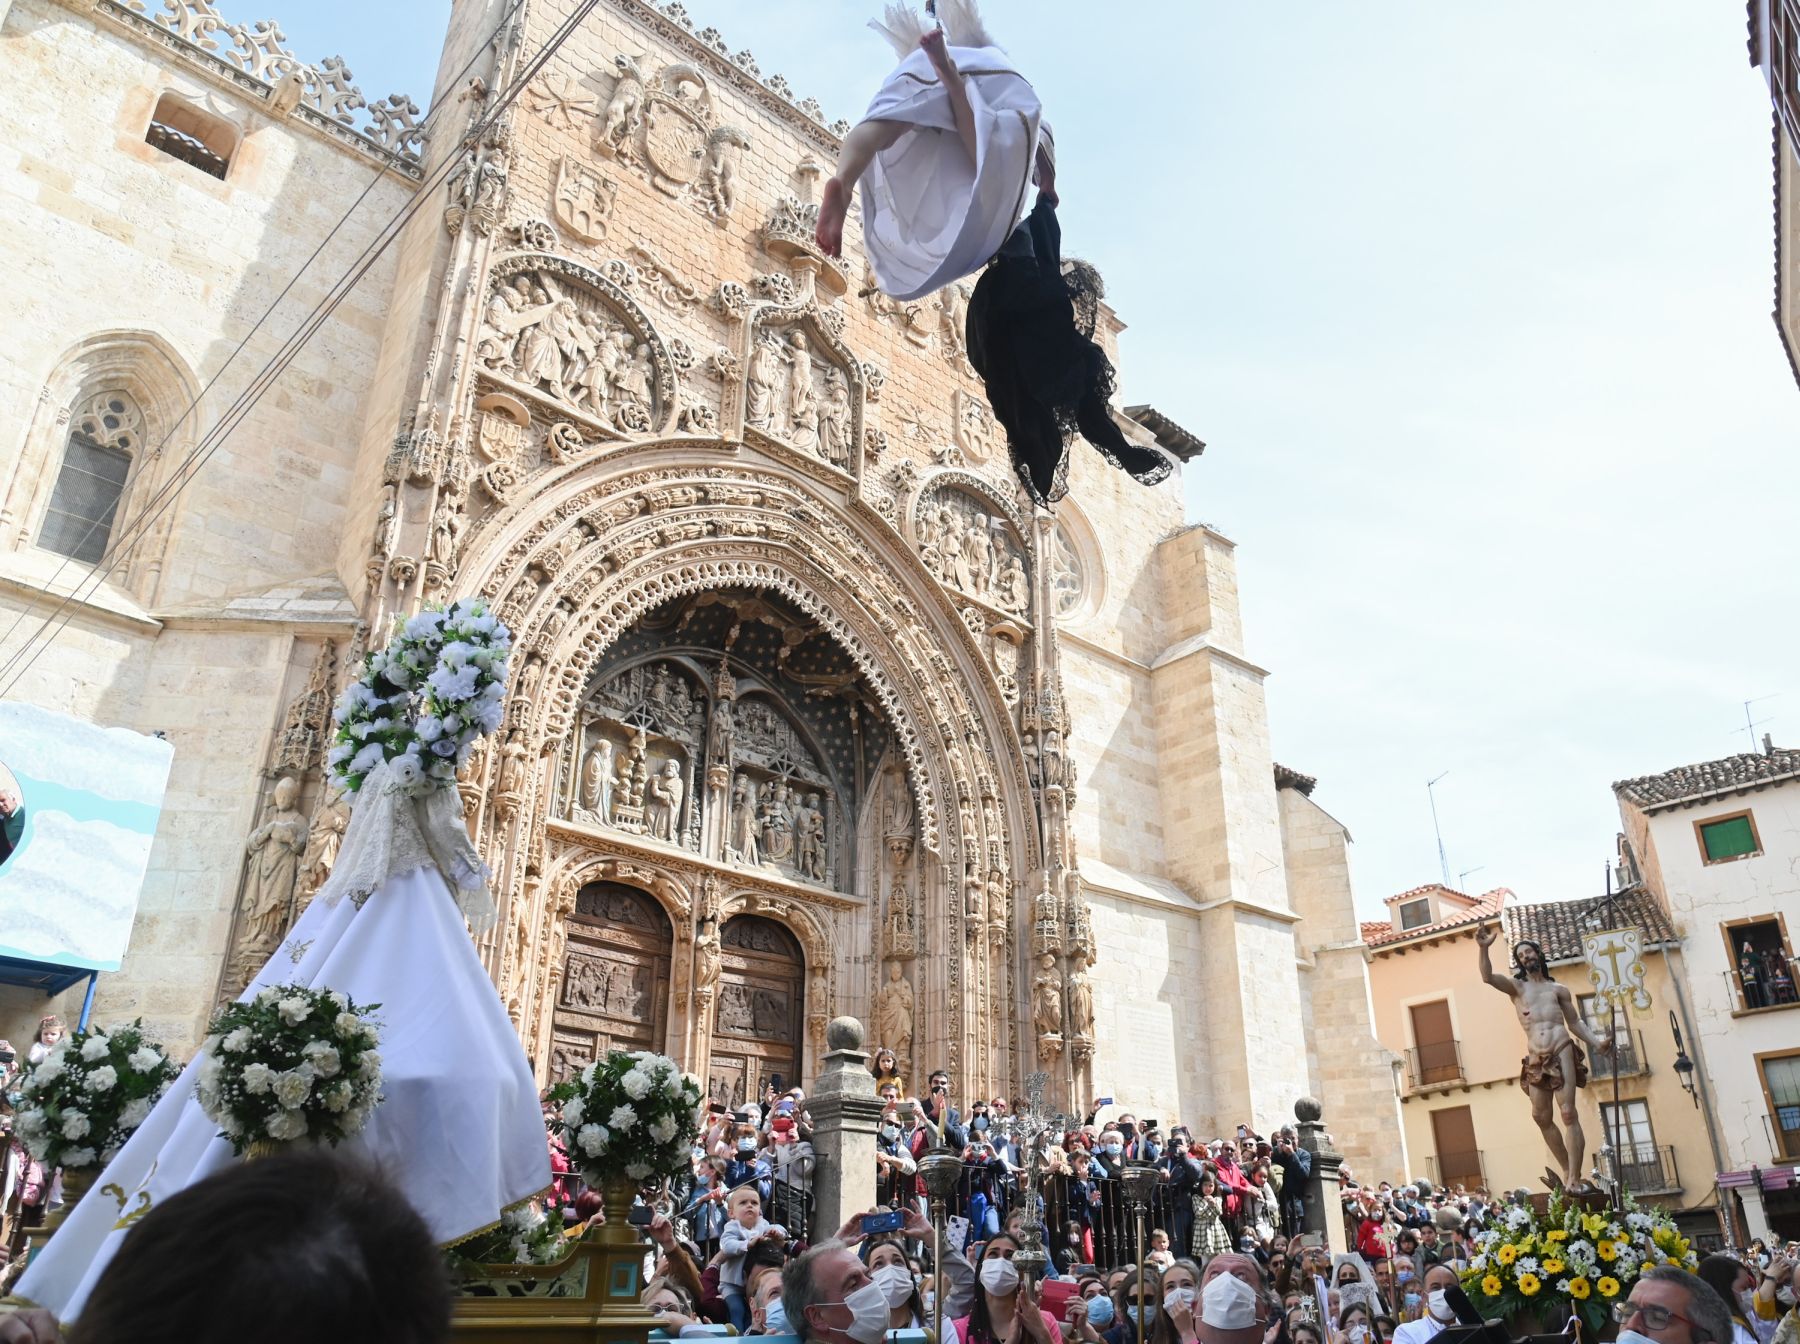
761, 1009
615, 986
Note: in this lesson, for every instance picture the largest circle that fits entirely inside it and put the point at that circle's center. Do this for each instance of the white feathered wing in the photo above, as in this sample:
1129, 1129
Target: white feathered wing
904, 27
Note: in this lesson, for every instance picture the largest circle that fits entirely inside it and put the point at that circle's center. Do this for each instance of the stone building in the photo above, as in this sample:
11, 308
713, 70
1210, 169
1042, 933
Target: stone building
812, 712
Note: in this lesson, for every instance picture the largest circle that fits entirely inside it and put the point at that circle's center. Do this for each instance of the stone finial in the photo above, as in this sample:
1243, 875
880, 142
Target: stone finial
1308, 1111
844, 1033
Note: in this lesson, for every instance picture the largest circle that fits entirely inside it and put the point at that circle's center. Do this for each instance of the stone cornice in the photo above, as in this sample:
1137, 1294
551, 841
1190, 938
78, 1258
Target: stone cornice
1202, 643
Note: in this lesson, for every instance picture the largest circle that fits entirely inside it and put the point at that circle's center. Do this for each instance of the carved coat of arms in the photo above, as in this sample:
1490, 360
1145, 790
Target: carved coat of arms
584, 200
501, 440
678, 116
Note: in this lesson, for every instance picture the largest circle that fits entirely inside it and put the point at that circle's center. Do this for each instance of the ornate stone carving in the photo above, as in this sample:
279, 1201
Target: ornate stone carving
624, 115
670, 289
271, 874
717, 196
560, 333
976, 431
894, 1014
583, 200
1068, 575
1080, 997
968, 548
788, 234
307, 723
561, 101
796, 392
1047, 1008
477, 192
324, 839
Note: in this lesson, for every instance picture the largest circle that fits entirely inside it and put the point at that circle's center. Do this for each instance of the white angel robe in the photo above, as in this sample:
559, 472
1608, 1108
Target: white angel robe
929, 215
459, 1131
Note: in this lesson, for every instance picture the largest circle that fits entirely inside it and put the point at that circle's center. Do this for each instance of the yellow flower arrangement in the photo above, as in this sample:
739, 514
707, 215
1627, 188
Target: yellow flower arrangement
1607, 1250
1553, 1266
1507, 1253
1491, 1285
1608, 1286
1556, 1234
1529, 1284
1593, 1224
1579, 1289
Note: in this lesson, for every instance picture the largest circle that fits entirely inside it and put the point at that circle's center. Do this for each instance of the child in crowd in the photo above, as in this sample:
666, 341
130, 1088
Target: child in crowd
746, 1228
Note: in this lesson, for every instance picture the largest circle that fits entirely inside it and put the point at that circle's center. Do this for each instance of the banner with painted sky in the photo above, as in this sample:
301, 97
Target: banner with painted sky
78, 811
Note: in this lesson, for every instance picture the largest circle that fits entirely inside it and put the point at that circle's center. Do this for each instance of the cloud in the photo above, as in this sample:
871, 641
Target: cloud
111, 763
70, 893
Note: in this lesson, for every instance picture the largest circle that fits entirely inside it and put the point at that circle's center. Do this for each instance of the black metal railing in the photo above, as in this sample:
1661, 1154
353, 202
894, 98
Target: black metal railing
1645, 1168
1627, 1053
1454, 1169
1434, 1064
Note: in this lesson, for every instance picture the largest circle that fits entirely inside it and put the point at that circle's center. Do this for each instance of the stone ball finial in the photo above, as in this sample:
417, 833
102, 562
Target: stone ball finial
844, 1033
1308, 1111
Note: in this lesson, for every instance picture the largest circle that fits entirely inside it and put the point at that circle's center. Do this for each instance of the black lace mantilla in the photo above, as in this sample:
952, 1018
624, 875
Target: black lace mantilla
1031, 338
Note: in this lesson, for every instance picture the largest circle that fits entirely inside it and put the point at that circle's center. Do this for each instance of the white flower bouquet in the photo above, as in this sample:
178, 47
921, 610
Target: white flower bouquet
290, 1064
630, 1115
526, 1236
78, 1105
424, 700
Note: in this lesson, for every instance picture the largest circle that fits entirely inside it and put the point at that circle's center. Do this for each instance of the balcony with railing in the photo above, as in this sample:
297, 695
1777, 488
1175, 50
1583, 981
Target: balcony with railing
1454, 1169
1627, 1050
1646, 1168
1434, 1065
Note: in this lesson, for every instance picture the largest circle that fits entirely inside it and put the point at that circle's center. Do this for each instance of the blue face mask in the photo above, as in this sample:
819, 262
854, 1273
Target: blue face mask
1412, 1301
980, 1122
1148, 1313
1100, 1311
1114, 1149
775, 1321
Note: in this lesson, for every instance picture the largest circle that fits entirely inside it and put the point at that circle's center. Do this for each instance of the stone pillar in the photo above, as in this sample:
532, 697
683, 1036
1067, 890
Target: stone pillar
845, 1112
1324, 1221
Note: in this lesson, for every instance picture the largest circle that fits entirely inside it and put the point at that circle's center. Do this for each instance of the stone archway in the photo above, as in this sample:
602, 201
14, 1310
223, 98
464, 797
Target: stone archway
600, 546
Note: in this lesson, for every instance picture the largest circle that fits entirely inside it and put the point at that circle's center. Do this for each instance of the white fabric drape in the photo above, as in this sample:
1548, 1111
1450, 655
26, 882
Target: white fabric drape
931, 216
459, 1130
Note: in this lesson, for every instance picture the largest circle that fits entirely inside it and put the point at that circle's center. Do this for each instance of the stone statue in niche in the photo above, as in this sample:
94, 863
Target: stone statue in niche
763, 386
719, 744
512, 763
1047, 998
972, 891
596, 784
999, 900
894, 1013
387, 522
1015, 587
274, 848
708, 959
803, 402
777, 838
809, 839
664, 810
629, 785
834, 421
978, 547
742, 844
1081, 996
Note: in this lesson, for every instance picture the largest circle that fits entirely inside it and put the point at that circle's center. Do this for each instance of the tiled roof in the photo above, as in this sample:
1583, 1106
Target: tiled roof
1170, 437
1376, 934
1557, 926
1293, 779
1690, 784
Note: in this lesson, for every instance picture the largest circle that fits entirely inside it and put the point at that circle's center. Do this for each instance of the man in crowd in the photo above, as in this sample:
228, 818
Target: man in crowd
12, 822
1439, 1315
943, 1118
1295, 1165
828, 1296
1672, 1306
1234, 1309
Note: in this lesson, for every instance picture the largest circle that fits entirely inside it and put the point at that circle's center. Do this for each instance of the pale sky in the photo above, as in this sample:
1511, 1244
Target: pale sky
1471, 306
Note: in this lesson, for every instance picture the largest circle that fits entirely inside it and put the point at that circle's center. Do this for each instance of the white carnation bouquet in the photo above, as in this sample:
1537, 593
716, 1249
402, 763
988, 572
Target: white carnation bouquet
526, 1236
290, 1064
424, 700
78, 1105
633, 1115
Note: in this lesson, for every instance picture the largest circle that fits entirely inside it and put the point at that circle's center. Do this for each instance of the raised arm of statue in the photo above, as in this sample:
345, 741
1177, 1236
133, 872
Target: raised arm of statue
1484, 938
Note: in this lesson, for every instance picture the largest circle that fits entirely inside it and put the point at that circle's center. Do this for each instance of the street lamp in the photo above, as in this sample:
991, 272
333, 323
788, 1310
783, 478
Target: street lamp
940, 1169
1684, 1067
1139, 1180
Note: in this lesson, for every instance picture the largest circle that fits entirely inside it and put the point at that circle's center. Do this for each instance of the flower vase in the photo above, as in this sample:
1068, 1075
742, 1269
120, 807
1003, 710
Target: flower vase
262, 1148
75, 1184
621, 1257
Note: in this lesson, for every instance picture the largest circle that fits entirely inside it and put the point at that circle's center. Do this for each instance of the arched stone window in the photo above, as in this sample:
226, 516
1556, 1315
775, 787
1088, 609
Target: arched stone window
105, 436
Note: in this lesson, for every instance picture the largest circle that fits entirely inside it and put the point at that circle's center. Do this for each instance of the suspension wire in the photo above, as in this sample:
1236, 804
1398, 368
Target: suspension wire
284, 358
186, 411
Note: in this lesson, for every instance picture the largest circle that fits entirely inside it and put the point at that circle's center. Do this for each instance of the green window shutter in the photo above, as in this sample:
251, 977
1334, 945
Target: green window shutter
1727, 839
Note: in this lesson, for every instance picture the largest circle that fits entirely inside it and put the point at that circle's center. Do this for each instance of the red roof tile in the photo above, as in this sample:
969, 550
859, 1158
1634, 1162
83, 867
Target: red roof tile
1488, 907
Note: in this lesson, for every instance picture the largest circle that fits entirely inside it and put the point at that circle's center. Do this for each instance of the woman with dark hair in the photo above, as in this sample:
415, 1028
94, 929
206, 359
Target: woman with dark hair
885, 1255
291, 1249
1139, 1294
1306, 1332
1354, 1325
1179, 1320
1006, 1308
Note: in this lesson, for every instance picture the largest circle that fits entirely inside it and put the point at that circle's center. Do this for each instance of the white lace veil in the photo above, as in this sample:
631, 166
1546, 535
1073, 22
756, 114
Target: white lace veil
393, 832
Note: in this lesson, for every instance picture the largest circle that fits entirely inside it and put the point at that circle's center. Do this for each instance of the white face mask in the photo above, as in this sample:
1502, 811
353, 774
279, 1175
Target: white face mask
1179, 1299
1439, 1305
1228, 1303
896, 1284
868, 1314
1634, 1337
1000, 1277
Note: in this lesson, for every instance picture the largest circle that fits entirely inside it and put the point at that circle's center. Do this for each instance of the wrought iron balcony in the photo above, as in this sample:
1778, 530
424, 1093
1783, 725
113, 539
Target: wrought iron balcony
1628, 1051
1434, 1065
1646, 1169
1454, 1169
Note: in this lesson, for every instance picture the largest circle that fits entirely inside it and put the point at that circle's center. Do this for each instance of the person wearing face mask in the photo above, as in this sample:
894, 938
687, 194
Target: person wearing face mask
885, 1257
1136, 1299
1353, 1325
1233, 1307
1112, 1229
1671, 1306
1352, 1278
1405, 1287
1179, 1320
1734, 1282
1437, 1313
1006, 1310
894, 1164
791, 1171
828, 1296
766, 1315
